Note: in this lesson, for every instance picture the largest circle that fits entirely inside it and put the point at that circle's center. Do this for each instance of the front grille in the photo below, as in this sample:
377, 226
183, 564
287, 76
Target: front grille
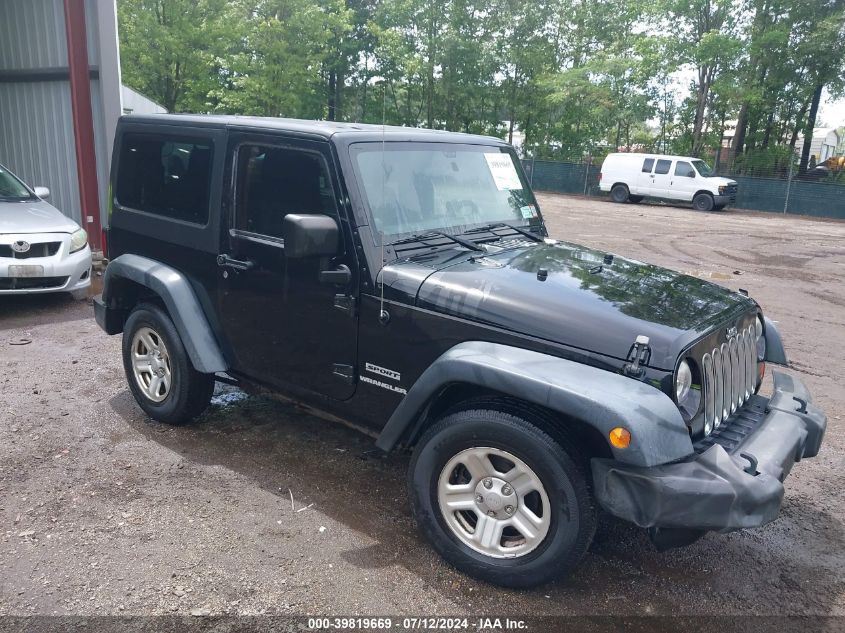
729, 374
28, 283
41, 249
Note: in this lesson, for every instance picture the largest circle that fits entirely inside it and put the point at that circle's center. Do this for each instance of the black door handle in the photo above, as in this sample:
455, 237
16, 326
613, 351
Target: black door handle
224, 261
340, 276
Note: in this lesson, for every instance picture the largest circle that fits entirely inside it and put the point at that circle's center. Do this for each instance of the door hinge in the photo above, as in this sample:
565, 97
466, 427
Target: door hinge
345, 372
345, 303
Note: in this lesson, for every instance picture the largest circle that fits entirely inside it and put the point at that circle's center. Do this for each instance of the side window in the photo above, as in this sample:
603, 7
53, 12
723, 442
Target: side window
169, 177
274, 181
663, 167
648, 164
684, 169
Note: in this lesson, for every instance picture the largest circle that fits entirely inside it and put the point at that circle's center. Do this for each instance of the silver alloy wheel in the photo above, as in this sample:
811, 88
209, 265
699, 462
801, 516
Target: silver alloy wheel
494, 502
151, 364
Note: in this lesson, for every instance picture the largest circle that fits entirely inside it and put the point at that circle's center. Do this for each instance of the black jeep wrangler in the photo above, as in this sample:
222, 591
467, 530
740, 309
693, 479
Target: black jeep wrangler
403, 281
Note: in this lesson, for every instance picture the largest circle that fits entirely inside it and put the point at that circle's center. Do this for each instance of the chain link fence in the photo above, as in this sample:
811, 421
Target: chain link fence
777, 189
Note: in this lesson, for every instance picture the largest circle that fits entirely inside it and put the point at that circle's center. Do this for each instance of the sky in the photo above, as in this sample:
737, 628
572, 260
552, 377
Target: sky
831, 112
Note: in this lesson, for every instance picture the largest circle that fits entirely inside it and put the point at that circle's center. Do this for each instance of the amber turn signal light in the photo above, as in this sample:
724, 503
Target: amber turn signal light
619, 437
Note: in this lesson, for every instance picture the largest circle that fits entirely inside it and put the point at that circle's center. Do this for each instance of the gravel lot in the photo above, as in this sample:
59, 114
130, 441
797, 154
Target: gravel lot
262, 508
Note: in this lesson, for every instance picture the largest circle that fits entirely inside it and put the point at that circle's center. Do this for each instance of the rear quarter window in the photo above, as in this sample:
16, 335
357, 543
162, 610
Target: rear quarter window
168, 177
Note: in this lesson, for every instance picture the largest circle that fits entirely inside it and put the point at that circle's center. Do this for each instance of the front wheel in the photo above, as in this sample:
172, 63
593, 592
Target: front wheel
703, 202
500, 499
159, 370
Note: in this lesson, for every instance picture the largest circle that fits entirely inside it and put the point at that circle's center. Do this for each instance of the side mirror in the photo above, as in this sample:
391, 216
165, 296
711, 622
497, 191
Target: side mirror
691, 174
310, 235
42, 192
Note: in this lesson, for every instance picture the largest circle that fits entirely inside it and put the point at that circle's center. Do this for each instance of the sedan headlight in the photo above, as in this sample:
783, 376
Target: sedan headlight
683, 382
761, 340
78, 240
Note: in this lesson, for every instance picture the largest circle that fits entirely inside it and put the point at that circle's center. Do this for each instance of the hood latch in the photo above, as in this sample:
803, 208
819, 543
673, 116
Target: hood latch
639, 354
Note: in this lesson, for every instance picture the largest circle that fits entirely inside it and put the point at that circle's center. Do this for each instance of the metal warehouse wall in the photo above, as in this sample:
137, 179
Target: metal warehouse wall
36, 126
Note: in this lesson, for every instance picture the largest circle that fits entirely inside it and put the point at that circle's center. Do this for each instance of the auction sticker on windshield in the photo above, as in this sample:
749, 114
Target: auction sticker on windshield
503, 171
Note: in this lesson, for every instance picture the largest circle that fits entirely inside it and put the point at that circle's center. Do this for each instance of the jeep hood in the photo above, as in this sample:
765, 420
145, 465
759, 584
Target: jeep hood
33, 216
574, 296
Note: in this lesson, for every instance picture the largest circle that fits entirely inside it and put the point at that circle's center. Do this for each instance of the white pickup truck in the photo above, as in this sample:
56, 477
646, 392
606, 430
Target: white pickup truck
632, 177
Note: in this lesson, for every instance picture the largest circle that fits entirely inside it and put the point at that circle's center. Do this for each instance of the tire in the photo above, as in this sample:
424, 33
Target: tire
703, 202
619, 193
187, 392
567, 510
635, 199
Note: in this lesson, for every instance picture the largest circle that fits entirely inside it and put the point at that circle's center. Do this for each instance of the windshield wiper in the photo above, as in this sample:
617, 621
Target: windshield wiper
428, 234
498, 225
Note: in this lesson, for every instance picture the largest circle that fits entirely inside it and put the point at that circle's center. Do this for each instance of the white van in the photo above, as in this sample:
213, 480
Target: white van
631, 177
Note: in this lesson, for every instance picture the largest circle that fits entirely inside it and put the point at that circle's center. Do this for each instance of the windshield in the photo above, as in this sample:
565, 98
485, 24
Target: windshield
11, 188
702, 168
418, 187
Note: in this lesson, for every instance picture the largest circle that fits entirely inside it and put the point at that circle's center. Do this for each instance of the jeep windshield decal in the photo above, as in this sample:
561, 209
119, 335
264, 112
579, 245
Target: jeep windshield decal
419, 188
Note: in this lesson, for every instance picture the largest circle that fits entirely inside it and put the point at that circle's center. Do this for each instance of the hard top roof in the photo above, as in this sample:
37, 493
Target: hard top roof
349, 132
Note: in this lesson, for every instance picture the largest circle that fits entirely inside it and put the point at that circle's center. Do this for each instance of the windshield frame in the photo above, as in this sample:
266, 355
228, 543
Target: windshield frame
355, 147
31, 194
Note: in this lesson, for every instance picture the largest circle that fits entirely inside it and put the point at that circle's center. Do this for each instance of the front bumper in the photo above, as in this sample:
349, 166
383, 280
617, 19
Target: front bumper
61, 272
734, 480
724, 200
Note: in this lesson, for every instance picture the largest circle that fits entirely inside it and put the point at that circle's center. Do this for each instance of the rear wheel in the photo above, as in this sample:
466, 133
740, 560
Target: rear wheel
500, 499
619, 193
158, 369
703, 202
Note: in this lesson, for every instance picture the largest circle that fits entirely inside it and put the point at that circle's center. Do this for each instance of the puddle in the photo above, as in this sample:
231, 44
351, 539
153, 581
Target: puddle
227, 396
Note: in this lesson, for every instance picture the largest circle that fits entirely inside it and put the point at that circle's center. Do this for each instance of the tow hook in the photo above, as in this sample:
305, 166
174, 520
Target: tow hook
751, 469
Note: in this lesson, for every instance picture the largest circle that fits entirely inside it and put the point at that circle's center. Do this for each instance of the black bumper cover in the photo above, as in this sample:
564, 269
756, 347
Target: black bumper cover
732, 482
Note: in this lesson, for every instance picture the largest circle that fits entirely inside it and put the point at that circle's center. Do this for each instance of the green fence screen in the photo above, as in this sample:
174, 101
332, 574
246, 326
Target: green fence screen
759, 194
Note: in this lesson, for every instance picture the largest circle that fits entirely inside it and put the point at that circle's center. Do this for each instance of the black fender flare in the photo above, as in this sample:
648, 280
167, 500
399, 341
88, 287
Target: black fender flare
179, 299
599, 398
775, 352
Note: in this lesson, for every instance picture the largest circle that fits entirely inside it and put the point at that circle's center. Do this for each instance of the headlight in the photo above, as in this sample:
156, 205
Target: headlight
722, 190
683, 382
78, 240
761, 340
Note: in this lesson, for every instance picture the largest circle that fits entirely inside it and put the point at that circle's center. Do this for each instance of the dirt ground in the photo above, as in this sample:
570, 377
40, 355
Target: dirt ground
261, 508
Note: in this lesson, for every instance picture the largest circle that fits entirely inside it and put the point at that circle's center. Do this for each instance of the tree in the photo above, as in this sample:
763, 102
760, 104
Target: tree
170, 49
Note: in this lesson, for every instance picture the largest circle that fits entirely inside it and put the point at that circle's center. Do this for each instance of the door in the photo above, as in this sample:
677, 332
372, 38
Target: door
645, 178
285, 326
683, 185
661, 178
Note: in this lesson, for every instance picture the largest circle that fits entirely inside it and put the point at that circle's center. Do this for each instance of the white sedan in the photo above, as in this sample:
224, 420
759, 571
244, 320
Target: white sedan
41, 250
